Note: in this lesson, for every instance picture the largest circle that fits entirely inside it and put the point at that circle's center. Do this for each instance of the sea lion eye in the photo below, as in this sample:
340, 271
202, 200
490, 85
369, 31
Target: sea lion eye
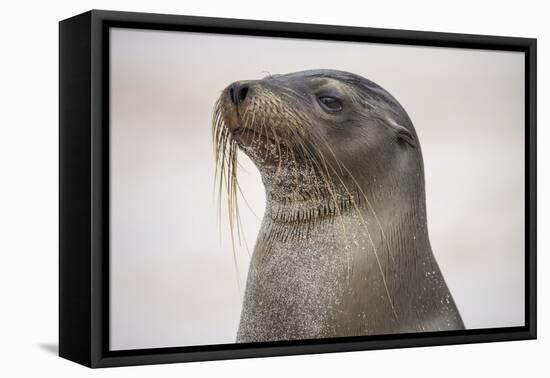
330, 104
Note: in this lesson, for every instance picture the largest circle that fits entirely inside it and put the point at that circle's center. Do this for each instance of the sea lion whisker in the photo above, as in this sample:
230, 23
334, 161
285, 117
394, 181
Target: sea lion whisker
225, 149
329, 185
368, 202
363, 221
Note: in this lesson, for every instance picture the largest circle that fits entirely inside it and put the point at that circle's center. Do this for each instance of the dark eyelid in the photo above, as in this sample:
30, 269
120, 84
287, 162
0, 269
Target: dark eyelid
329, 93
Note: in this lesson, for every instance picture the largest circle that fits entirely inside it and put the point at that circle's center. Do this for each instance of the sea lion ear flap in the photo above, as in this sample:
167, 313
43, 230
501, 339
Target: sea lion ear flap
406, 136
402, 133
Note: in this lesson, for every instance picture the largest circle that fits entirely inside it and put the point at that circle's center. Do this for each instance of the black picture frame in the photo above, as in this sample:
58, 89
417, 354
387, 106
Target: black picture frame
84, 187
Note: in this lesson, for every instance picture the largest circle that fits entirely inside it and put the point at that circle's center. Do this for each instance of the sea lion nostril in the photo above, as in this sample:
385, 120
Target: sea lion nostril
241, 94
238, 93
232, 95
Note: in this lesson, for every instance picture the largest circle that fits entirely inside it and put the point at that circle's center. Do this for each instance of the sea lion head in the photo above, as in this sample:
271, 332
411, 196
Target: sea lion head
317, 134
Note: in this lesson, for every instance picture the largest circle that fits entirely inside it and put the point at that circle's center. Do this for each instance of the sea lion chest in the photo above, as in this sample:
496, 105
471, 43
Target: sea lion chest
315, 287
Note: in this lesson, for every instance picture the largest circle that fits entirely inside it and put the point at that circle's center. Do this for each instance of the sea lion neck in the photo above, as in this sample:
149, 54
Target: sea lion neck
303, 211
299, 195
297, 202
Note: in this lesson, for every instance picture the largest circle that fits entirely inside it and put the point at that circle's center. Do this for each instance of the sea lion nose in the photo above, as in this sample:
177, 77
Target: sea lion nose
238, 92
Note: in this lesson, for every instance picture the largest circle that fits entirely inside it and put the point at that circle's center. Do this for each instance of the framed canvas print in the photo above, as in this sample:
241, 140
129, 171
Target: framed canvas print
234, 188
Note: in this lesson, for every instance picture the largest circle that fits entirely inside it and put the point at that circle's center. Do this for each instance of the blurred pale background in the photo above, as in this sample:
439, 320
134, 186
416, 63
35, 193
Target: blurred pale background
173, 277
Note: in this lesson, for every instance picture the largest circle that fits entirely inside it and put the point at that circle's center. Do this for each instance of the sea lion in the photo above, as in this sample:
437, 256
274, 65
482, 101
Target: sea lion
343, 248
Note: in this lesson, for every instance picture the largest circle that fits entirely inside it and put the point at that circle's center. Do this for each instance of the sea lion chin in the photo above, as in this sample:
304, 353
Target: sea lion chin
343, 249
